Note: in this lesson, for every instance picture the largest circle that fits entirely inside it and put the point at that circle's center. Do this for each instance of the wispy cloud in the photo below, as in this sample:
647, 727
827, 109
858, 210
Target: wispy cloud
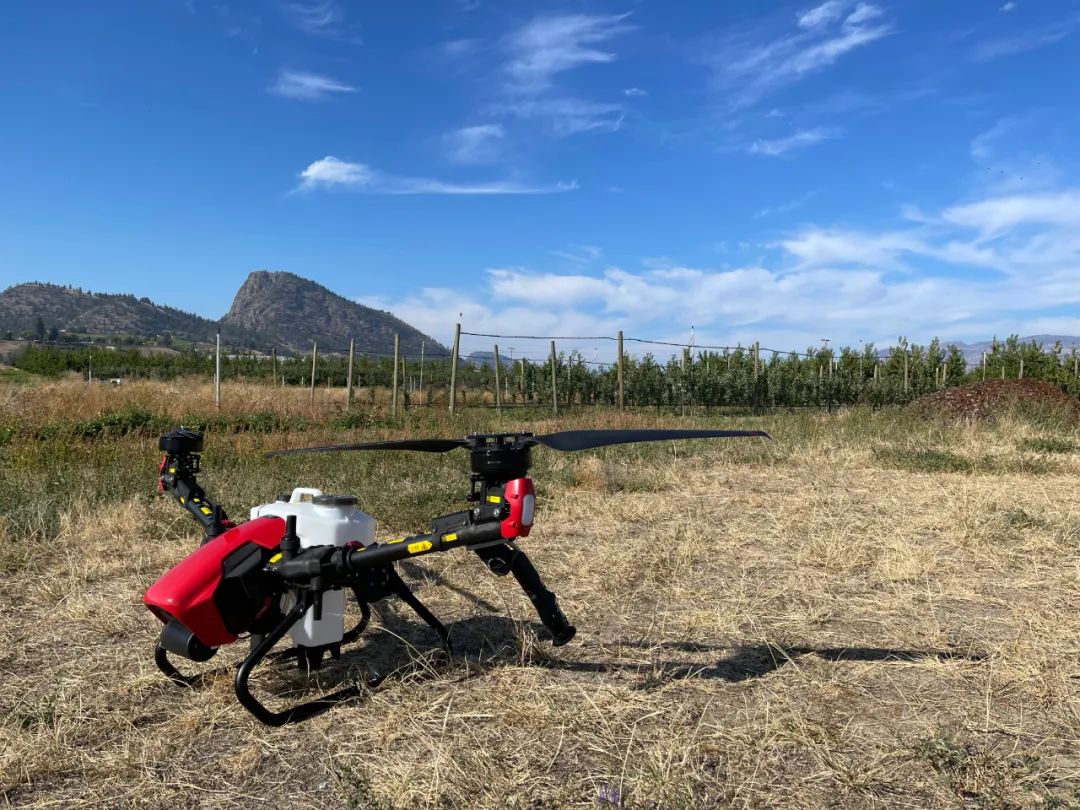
635, 92
1009, 155
539, 51
1028, 40
419, 185
797, 140
566, 116
456, 48
750, 67
475, 145
324, 18
549, 45
995, 216
786, 207
1008, 6
579, 254
308, 86
333, 173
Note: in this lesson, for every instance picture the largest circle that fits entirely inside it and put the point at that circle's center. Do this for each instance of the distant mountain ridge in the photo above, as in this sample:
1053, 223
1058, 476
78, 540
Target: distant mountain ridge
76, 310
973, 351
270, 310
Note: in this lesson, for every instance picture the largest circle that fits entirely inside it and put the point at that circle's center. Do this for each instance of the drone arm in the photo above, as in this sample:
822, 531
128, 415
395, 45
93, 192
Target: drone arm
187, 492
177, 477
336, 565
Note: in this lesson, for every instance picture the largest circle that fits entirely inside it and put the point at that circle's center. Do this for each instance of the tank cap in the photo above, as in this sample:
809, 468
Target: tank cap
334, 500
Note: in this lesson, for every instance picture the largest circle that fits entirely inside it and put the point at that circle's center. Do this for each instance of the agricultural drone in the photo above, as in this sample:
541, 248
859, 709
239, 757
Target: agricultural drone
286, 570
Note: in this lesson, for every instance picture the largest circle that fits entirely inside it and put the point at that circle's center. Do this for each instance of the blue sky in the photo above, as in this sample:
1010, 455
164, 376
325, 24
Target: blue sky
771, 171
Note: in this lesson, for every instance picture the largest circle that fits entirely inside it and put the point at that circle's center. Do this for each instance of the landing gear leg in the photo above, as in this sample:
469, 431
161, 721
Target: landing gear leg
507, 559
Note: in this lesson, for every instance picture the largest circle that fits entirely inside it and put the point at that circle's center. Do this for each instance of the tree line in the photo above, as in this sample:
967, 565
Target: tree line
821, 377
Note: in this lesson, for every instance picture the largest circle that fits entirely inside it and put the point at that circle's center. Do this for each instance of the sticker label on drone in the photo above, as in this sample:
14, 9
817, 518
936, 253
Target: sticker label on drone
449, 538
276, 557
494, 499
416, 548
398, 540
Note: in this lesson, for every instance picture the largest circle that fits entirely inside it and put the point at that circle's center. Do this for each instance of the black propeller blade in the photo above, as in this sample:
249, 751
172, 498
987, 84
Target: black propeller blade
420, 445
587, 439
565, 441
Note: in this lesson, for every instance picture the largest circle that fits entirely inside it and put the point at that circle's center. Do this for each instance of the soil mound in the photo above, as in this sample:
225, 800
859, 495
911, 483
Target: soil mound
983, 400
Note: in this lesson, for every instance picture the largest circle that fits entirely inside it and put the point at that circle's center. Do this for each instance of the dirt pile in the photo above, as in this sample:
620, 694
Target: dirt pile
986, 399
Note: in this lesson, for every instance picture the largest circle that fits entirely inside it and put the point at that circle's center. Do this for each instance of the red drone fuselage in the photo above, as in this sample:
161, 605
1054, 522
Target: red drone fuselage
209, 592
190, 592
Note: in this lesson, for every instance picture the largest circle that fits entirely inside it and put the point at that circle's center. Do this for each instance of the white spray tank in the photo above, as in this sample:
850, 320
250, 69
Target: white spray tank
322, 520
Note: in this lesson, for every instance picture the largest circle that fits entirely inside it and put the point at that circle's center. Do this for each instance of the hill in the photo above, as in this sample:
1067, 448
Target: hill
973, 351
270, 310
483, 358
74, 310
288, 311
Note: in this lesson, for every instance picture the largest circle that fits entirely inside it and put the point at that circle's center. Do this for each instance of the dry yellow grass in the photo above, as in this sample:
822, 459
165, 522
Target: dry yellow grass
808, 623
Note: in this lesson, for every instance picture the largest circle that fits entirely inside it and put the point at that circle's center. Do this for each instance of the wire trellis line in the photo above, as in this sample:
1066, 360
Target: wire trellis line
646, 341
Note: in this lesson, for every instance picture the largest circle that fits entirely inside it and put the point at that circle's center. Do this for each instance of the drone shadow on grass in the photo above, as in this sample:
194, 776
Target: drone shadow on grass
397, 647
484, 643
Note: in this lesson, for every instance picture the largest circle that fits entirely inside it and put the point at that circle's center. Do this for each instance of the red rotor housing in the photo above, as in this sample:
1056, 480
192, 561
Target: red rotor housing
521, 498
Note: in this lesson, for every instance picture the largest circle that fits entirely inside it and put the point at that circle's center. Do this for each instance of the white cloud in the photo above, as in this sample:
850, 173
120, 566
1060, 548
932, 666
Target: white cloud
863, 13
580, 254
333, 173
750, 67
935, 277
459, 47
817, 247
566, 116
1008, 6
549, 45
798, 140
635, 92
1009, 157
475, 145
786, 207
325, 18
316, 17
420, 185
1029, 40
546, 47
995, 216
308, 86
827, 12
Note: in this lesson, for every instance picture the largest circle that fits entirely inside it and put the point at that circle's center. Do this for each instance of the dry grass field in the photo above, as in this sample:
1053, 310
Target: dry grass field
868, 611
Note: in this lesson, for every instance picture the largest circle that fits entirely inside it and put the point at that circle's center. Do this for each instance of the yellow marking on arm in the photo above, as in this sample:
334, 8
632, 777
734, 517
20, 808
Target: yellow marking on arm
449, 538
417, 548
